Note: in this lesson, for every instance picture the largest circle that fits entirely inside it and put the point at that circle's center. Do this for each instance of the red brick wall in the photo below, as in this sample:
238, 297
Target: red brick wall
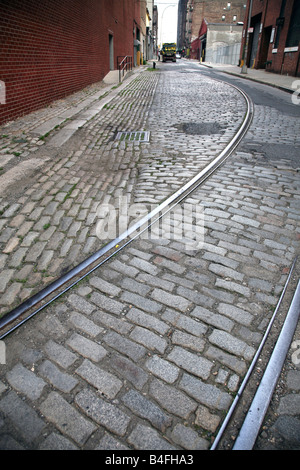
52, 48
279, 62
213, 10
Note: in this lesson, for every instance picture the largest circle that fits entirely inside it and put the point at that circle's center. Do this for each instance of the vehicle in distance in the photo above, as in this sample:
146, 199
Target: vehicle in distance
168, 51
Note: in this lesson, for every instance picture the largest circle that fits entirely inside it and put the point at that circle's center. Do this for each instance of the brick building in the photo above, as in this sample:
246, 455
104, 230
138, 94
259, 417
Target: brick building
274, 35
52, 48
155, 30
181, 24
192, 14
151, 30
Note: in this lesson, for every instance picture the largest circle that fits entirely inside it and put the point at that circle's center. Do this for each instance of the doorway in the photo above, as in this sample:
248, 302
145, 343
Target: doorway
111, 52
264, 49
254, 45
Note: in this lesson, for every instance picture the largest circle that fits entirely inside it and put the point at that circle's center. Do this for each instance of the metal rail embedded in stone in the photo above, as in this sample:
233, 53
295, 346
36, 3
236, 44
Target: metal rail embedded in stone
25, 311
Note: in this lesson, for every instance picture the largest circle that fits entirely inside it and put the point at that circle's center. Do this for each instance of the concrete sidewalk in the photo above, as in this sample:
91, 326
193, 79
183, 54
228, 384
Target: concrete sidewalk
282, 82
64, 116
48, 129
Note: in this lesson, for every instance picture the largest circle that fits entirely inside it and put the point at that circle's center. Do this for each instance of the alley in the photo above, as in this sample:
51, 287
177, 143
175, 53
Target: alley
148, 351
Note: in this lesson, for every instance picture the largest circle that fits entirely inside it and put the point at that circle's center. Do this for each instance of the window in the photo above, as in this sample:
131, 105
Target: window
294, 28
279, 24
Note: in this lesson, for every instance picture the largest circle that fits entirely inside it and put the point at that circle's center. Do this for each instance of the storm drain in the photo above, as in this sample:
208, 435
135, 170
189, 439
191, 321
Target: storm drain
140, 136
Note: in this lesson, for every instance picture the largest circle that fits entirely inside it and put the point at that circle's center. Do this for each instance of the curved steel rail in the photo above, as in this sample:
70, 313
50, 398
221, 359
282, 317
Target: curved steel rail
259, 406
96, 260
252, 366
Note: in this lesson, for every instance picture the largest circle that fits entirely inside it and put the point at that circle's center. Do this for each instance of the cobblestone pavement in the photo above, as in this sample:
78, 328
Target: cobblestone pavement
149, 351
50, 225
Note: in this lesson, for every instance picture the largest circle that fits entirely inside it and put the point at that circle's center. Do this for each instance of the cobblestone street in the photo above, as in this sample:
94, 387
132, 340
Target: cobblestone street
149, 351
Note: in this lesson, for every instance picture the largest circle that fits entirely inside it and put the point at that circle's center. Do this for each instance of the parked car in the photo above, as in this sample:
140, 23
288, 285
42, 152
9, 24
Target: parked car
178, 56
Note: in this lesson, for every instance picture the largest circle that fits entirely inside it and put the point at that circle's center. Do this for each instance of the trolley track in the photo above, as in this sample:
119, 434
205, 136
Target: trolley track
24, 312
239, 415
32, 306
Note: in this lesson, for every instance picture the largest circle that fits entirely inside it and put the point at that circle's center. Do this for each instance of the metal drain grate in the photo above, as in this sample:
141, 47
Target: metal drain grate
140, 136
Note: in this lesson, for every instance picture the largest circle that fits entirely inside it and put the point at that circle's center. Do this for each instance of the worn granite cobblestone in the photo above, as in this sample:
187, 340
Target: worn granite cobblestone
148, 352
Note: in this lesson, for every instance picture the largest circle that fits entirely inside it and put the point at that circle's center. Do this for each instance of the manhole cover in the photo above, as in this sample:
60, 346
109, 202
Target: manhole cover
200, 128
140, 136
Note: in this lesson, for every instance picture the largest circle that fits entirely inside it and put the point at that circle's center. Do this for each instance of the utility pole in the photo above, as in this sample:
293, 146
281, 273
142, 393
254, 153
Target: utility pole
244, 67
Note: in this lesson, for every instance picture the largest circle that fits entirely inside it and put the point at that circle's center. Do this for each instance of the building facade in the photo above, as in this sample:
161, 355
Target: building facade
151, 30
195, 15
181, 25
271, 36
218, 43
155, 31
52, 48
